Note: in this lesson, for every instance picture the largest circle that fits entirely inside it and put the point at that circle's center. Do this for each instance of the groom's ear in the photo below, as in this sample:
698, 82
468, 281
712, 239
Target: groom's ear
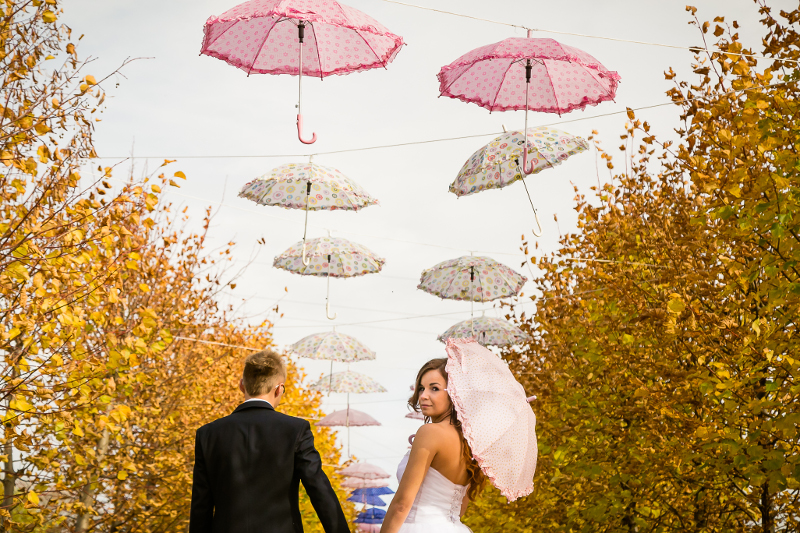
241, 385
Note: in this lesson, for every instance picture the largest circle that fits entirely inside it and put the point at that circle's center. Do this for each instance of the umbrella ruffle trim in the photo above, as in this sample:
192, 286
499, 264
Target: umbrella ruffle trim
556, 109
467, 430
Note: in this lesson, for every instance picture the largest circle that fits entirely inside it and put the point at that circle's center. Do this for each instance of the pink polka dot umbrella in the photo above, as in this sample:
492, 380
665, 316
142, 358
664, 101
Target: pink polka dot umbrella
496, 419
531, 74
270, 37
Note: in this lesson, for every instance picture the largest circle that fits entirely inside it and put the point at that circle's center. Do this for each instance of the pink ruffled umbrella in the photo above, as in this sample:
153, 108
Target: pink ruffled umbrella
358, 483
346, 418
269, 37
558, 78
497, 421
365, 471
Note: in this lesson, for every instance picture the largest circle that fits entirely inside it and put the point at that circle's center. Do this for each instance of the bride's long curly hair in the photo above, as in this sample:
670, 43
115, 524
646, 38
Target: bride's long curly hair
475, 476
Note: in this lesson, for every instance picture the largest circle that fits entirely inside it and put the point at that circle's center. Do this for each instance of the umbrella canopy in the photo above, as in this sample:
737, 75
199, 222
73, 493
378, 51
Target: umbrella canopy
369, 515
358, 483
478, 279
349, 382
369, 528
364, 471
367, 500
415, 416
270, 37
498, 423
560, 78
348, 418
379, 491
296, 185
497, 164
487, 331
332, 346
330, 257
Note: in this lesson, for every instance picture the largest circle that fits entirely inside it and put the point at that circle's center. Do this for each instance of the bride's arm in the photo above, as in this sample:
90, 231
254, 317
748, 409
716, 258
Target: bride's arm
422, 452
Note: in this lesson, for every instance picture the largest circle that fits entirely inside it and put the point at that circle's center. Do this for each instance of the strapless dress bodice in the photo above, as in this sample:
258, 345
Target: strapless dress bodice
437, 507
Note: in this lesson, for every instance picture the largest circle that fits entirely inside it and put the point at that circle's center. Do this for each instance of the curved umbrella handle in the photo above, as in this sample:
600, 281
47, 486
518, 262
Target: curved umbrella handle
306, 259
300, 132
328, 311
536, 216
527, 170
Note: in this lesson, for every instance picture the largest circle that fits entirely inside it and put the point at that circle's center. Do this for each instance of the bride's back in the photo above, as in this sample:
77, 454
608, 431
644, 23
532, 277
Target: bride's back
449, 460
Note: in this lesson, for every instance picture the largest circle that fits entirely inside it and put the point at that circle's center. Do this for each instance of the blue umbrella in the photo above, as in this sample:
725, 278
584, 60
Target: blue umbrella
368, 520
367, 499
372, 513
373, 491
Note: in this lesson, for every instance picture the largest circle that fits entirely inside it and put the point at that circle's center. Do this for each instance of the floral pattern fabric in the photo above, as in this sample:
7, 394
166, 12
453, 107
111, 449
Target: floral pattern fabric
261, 37
332, 346
349, 382
499, 163
488, 331
287, 186
347, 259
563, 78
479, 279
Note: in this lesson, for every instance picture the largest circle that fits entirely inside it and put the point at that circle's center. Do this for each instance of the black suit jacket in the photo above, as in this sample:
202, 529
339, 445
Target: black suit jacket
247, 469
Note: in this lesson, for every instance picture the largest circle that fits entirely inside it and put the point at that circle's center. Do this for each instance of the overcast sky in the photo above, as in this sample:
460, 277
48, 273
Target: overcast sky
178, 104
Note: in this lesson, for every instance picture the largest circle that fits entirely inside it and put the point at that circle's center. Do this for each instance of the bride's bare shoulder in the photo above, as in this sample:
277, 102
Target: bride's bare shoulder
435, 434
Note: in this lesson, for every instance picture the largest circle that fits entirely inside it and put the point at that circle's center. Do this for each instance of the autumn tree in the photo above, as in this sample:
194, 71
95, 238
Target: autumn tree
114, 348
663, 357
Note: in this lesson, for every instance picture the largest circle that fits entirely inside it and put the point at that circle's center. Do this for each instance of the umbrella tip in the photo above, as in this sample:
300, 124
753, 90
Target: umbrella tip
504, 128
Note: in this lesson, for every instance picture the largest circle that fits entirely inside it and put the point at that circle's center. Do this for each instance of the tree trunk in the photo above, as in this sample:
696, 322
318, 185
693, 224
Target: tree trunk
87, 495
9, 475
767, 522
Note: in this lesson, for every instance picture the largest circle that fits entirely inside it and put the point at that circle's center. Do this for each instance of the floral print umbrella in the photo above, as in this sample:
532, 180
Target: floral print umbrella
329, 257
288, 186
488, 331
332, 346
348, 382
473, 278
269, 37
364, 471
497, 164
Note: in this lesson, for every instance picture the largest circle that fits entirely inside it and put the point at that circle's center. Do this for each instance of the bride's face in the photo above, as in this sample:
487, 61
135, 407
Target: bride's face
433, 398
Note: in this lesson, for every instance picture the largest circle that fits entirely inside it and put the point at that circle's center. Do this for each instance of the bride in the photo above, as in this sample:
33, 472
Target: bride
438, 477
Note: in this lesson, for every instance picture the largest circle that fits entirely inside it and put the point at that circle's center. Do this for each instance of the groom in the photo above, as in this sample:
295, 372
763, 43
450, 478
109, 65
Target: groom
248, 465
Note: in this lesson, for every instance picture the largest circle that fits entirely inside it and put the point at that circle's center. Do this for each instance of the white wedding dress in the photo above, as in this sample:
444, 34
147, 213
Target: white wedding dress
437, 507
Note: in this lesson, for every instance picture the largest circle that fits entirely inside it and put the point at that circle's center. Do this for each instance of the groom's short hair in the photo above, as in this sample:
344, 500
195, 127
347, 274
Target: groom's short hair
262, 372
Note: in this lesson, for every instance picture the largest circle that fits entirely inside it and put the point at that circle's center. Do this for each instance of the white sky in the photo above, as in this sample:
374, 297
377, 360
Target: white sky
181, 104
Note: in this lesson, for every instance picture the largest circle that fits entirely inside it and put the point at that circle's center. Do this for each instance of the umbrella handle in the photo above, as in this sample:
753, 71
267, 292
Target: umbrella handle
328, 311
527, 170
536, 216
328, 301
300, 132
306, 259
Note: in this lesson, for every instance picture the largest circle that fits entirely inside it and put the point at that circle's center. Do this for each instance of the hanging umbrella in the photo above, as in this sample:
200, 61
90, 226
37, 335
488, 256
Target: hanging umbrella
367, 500
487, 331
369, 528
291, 186
496, 165
347, 418
329, 257
364, 471
415, 416
473, 278
269, 37
358, 483
558, 79
370, 516
375, 491
348, 382
498, 423
332, 346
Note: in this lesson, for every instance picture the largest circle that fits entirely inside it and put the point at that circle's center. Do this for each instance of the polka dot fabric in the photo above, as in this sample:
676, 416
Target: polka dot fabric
350, 382
488, 331
260, 37
453, 279
347, 417
348, 259
287, 186
332, 346
499, 163
563, 78
497, 421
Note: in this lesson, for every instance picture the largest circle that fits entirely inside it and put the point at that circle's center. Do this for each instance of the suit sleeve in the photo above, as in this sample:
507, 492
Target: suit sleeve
308, 465
202, 511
